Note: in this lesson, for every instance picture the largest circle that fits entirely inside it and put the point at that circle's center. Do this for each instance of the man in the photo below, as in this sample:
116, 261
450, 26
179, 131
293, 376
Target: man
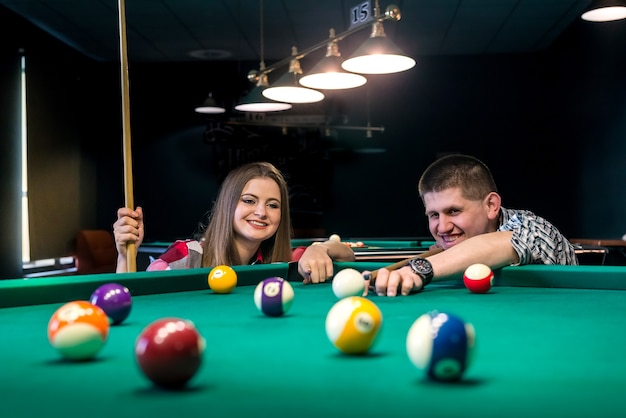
467, 220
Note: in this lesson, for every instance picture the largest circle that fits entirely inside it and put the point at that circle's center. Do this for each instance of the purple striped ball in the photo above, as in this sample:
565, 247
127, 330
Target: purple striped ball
273, 296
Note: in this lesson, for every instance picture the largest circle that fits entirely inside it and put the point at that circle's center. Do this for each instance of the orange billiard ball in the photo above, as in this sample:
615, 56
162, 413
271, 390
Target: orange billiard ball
78, 330
478, 278
222, 279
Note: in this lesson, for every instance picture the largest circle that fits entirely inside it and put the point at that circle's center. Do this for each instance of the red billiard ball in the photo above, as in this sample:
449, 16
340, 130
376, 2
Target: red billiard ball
78, 330
169, 352
114, 299
478, 278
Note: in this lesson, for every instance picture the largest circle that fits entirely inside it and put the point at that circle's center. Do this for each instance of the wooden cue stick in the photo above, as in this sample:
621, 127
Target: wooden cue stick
131, 253
403, 263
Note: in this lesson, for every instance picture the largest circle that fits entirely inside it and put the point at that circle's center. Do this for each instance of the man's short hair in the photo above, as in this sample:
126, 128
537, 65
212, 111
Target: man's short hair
467, 173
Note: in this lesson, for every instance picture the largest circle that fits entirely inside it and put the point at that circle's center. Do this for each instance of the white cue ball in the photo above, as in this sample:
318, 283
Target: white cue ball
348, 282
334, 237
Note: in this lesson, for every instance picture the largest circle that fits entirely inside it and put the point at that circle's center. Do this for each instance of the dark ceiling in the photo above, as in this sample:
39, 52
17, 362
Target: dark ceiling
191, 30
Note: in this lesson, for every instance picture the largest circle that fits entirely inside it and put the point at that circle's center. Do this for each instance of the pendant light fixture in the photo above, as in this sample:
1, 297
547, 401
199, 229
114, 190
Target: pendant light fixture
210, 106
379, 55
605, 11
328, 74
287, 88
255, 101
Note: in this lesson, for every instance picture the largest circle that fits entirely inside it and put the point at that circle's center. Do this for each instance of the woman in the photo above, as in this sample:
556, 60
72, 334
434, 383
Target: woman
249, 224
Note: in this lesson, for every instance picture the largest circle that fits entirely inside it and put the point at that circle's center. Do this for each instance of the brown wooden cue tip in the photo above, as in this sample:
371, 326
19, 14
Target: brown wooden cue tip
403, 263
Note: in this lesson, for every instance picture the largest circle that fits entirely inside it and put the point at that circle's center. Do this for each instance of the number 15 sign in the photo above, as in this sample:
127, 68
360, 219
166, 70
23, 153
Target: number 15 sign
361, 13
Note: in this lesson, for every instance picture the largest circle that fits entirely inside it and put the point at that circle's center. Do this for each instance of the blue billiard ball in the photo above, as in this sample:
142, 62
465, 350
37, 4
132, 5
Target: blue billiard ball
441, 344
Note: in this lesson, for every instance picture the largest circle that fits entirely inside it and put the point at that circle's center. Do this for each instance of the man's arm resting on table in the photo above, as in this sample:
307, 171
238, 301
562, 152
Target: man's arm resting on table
493, 249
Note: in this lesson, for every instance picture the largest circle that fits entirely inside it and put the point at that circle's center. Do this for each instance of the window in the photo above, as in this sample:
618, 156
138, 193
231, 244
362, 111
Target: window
25, 228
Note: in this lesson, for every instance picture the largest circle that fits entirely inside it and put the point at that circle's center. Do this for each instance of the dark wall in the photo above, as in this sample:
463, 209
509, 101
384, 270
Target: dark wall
550, 125
10, 163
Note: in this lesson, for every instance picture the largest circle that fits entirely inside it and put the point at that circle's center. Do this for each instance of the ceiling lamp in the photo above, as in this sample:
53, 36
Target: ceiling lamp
255, 101
210, 107
328, 74
379, 55
287, 89
605, 11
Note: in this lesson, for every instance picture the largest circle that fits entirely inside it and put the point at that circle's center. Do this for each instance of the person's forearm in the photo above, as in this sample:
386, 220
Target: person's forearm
122, 264
493, 249
338, 251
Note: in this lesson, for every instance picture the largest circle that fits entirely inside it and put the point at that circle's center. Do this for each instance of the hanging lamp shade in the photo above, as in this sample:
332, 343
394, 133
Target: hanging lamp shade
255, 101
605, 11
210, 106
378, 55
287, 88
327, 74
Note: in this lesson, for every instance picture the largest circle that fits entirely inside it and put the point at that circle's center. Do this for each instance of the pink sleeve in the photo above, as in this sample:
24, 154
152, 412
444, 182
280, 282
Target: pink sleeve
157, 265
180, 255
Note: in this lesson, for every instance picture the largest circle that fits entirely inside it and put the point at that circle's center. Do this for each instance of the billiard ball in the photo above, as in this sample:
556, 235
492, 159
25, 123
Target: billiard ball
334, 237
273, 296
222, 279
353, 323
78, 330
348, 282
478, 278
441, 344
115, 300
169, 352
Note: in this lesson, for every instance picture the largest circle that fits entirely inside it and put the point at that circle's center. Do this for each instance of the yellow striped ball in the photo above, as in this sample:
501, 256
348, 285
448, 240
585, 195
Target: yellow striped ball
353, 323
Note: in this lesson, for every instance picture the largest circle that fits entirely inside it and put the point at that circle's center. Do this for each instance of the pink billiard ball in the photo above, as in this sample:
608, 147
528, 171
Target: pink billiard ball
478, 278
169, 352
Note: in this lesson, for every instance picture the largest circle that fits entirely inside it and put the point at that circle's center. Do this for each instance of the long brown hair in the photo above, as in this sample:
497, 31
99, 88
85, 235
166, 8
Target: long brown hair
219, 237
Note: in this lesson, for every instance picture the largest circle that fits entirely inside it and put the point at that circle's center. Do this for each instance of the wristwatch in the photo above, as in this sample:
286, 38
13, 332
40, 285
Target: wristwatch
422, 268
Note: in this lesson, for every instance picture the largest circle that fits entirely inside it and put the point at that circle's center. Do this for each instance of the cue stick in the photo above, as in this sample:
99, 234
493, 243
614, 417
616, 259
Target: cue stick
128, 170
400, 264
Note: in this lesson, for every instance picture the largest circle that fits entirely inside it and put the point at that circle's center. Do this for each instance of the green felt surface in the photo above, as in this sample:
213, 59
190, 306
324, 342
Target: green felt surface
540, 351
297, 242
372, 243
19, 292
403, 248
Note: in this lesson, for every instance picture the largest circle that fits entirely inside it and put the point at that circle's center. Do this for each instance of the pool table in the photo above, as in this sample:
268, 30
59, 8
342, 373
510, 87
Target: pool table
550, 341
373, 249
387, 250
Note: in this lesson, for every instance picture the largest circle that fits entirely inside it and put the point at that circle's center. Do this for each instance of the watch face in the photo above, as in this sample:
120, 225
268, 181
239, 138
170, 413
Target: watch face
421, 266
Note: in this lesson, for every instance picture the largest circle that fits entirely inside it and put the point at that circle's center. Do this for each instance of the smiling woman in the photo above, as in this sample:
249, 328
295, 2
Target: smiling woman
248, 224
